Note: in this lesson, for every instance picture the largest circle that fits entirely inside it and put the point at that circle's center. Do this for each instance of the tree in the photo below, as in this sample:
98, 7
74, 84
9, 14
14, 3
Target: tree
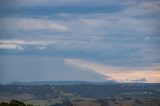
14, 103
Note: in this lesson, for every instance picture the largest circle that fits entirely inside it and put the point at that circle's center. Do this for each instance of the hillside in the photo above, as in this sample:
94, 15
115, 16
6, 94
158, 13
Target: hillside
107, 94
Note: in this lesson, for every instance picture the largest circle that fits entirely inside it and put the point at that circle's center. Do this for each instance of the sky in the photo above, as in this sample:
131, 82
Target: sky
80, 40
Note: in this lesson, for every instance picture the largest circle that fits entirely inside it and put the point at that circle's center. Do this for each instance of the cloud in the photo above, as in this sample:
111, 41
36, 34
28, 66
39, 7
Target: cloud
19, 44
143, 8
128, 37
156, 65
139, 18
115, 73
117, 24
31, 24
33, 3
142, 80
10, 46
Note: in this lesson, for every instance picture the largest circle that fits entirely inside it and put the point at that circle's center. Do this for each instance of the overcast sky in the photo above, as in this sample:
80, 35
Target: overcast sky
88, 40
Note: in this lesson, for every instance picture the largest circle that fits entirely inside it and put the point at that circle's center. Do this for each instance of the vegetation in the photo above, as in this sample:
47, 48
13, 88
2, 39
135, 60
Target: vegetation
81, 95
14, 103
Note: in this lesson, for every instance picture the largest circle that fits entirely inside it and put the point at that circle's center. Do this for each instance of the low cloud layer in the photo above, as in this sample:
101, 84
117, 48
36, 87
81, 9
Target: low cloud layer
118, 74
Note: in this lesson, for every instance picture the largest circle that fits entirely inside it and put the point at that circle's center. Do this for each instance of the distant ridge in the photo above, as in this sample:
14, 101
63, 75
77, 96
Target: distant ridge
59, 83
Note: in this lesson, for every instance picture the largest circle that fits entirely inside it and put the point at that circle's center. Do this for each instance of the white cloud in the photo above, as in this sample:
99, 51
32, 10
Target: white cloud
10, 46
41, 48
31, 24
18, 44
118, 74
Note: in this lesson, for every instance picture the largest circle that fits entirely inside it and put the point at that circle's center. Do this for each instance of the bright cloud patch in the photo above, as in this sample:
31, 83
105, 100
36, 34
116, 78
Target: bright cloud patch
118, 74
18, 44
10, 46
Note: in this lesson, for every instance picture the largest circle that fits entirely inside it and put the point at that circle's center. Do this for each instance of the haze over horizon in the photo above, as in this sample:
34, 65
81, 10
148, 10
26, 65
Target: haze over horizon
80, 40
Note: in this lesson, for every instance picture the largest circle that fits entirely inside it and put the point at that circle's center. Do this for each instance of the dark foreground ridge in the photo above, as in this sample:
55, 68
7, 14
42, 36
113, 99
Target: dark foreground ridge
14, 103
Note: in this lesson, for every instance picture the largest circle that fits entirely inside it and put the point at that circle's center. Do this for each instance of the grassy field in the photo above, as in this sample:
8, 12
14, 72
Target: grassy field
92, 102
42, 102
